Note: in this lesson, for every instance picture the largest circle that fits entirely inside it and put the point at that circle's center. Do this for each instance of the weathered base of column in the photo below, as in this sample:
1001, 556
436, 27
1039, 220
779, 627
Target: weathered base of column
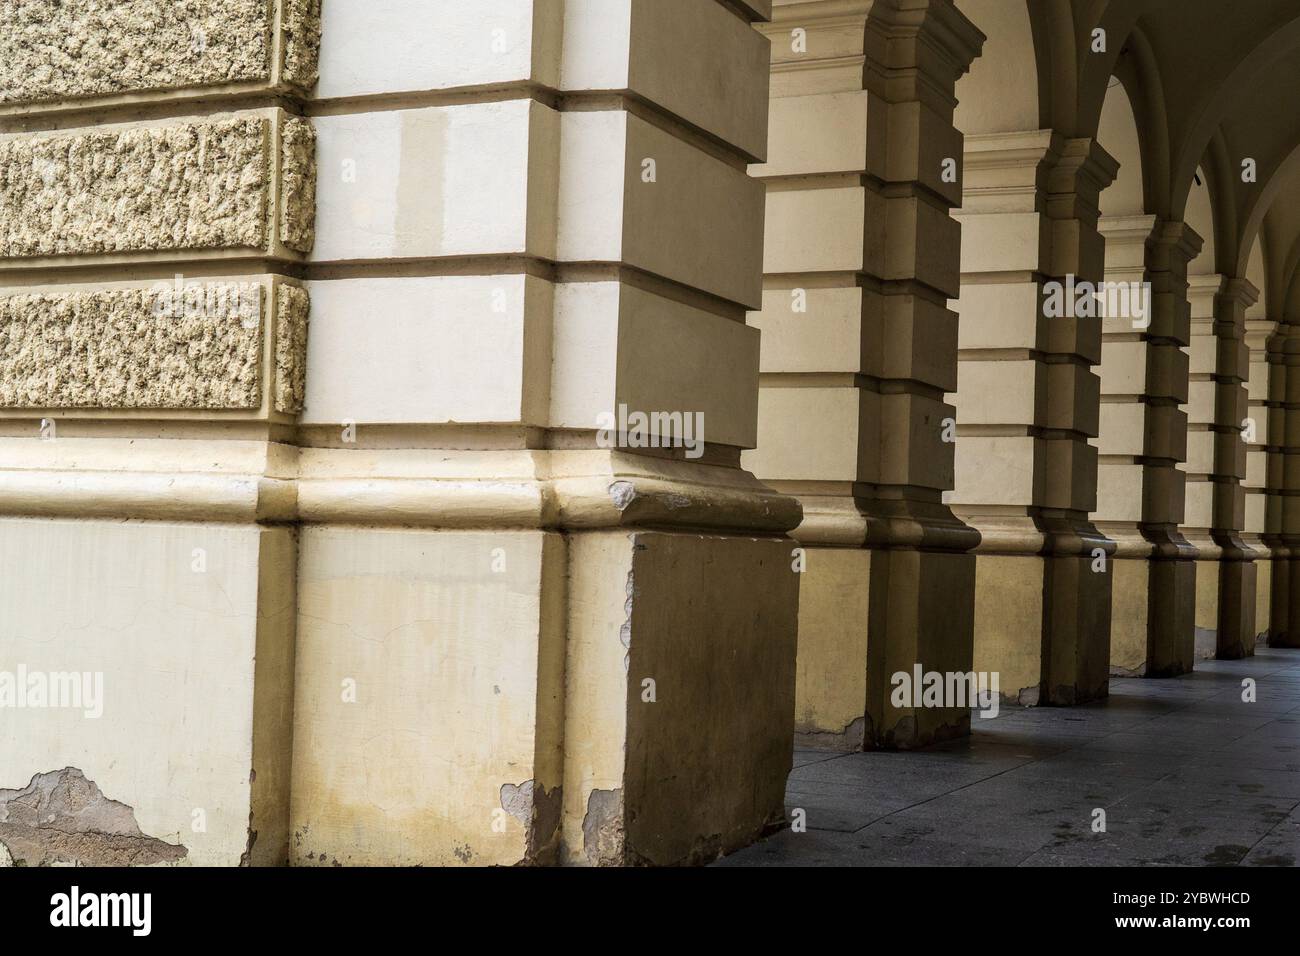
831, 670
856, 692
1263, 592
708, 624
643, 717
1286, 596
1043, 623
174, 749
1152, 619
922, 618
1236, 637
1206, 627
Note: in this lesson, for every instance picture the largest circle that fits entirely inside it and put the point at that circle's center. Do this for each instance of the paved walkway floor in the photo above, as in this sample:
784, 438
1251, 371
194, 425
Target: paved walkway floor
1186, 772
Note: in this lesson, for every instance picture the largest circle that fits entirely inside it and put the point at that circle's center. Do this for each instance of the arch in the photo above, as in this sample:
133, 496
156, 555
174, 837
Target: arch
1058, 52
1259, 204
1234, 89
1138, 73
1199, 214
1117, 132
994, 96
1257, 276
1290, 287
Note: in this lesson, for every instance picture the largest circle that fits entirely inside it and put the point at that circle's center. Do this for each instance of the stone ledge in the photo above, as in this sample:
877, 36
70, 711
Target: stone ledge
548, 490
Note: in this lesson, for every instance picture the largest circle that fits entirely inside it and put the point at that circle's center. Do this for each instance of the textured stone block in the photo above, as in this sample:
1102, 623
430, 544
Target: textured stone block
292, 308
151, 347
52, 51
298, 184
199, 185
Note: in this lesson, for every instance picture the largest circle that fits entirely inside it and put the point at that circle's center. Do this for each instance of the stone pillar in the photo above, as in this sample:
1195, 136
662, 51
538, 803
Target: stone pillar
1284, 471
1263, 436
474, 539
859, 348
1027, 403
1216, 465
1143, 439
157, 210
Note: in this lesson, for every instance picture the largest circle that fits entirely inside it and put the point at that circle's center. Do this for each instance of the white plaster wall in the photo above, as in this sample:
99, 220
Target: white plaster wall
395, 46
428, 350
176, 649
438, 181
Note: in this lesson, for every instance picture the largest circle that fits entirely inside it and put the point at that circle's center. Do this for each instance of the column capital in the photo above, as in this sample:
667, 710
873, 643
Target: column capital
1202, 290
1128, 229
907, 49
1259, 332
1287, 342
1127, 241
1174, 242
1238, 291
1004, 172
1076, 180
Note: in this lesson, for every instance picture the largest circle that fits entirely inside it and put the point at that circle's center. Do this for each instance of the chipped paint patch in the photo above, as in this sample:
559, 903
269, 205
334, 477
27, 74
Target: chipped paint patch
622, 493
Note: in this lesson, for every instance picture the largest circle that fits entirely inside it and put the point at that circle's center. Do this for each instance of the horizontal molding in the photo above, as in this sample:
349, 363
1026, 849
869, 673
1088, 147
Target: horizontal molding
544, 490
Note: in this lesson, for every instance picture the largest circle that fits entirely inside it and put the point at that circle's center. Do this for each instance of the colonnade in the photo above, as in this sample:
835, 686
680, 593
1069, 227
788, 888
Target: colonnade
618, 392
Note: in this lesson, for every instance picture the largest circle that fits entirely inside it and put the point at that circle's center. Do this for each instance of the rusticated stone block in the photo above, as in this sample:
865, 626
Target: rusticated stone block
298, 184
54, 50
292, 306
199, 185
156, 347
301, 27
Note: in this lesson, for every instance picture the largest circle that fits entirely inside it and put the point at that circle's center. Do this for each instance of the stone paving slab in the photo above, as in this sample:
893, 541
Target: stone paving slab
1186, 772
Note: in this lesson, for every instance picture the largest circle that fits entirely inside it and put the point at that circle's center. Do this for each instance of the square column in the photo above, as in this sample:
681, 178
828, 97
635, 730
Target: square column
1284, 477
1216, 466
1143, 440
158, 203
858, 350
436, 540
1263, 436
1027, 403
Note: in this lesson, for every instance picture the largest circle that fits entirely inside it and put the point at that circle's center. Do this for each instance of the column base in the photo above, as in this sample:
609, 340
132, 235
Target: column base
1225, 599
1152, 624
174, 748
867, 616
1237, 583
1043, 623
643, 718
1286, 590
1206, 619
1263, 590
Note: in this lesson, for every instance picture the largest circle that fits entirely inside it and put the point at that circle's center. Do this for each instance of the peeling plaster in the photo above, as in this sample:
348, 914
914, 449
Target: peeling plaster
538, 811
622, 493
602, 828
61, 817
